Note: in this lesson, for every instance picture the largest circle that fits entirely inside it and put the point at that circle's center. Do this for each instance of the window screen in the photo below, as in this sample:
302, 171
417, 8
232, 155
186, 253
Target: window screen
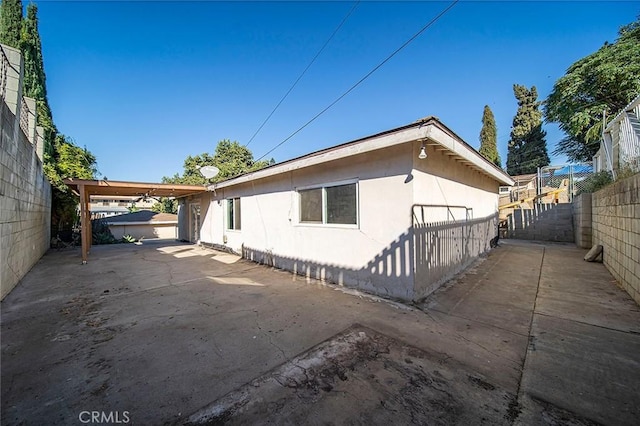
341, 204
311, 205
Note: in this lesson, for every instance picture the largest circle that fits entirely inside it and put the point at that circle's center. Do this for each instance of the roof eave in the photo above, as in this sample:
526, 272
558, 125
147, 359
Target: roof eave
429, 128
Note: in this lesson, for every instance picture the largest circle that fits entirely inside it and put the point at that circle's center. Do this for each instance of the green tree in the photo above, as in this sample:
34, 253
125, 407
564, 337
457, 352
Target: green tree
10, 22
62, 158
166, 205
69, 161
603, 82
489, 137
527, 145
34, 76
230, 157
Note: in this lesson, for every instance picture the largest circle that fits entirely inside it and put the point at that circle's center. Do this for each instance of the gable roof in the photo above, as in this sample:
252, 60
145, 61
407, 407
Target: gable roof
429, 130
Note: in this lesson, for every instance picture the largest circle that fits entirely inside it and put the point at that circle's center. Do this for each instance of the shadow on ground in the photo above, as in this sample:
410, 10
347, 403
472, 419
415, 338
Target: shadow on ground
174, 333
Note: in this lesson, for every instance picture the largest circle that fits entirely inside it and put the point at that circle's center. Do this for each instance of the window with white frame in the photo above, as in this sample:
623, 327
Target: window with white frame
330, 204
233, 214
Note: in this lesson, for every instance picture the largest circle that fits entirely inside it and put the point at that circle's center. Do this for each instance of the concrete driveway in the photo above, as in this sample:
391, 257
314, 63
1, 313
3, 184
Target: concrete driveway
175, 334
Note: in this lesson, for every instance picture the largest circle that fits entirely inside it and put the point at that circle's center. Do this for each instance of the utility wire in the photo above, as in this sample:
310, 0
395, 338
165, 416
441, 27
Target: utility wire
405, 44
304, 71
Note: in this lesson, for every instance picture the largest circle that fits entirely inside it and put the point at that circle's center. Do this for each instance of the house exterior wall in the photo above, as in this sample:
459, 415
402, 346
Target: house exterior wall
441, 180
105, 206
378, 255
183, 220
375, 255
25, 192
146, 231
448, 239
185, 217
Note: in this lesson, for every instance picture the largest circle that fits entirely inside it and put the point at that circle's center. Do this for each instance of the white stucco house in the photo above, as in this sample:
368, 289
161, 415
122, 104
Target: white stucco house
373, 214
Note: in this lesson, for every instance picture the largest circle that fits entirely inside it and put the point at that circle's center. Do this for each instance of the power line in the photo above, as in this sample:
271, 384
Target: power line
304, 71
405, 44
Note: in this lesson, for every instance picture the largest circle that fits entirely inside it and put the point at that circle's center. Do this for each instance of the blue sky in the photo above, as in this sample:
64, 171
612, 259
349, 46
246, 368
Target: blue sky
144, 84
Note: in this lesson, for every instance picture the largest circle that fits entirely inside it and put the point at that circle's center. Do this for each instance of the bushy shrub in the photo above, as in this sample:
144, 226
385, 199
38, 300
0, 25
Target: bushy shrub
595, 182
101, 232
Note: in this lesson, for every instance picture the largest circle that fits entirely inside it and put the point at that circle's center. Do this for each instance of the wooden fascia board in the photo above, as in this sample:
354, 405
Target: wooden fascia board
372, 144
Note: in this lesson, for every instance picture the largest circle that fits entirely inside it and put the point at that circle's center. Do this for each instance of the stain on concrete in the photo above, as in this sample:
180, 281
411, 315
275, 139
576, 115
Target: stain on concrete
361, 376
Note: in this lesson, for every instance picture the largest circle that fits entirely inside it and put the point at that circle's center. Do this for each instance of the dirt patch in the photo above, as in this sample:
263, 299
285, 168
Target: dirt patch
553, 415
362, 377
79, 307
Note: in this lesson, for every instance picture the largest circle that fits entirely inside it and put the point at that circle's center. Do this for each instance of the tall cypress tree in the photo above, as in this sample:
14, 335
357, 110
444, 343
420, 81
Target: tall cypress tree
10, 22
35, 84
34, 77
489, 137
527, 146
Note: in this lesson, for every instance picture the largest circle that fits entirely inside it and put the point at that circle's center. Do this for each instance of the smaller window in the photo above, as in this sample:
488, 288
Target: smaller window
341, 204
311, 205
233, 214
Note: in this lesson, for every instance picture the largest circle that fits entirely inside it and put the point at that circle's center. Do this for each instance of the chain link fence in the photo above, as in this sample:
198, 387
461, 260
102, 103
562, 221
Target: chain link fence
571, 177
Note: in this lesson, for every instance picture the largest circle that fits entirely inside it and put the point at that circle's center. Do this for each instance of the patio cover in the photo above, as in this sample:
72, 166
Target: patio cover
86, 188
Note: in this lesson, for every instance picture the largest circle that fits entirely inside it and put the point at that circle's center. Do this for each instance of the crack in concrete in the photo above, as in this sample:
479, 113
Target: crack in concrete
469, 341
269, 339
515, 408
479, 322
163, 262
632, 332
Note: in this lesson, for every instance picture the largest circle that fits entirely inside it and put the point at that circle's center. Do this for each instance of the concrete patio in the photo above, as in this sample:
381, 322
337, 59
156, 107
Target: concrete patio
175, 334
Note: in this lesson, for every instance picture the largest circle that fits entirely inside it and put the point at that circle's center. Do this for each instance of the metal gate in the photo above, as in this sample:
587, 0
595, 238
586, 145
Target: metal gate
573, 177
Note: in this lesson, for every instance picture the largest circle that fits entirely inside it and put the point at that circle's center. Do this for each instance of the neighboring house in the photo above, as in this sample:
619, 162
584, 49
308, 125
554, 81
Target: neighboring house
144, 224
376, 213
620, 147
524, 186
105, 205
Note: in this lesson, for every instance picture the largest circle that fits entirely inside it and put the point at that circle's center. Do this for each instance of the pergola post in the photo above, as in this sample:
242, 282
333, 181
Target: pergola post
90, 233
87, 188
85, 223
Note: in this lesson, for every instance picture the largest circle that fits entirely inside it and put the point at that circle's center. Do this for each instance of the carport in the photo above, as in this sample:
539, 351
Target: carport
86, 188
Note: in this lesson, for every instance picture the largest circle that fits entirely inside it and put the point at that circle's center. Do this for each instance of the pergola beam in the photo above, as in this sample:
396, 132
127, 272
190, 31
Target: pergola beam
86, 188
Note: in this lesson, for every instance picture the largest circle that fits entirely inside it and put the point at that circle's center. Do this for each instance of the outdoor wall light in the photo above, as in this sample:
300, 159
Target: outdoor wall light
423, 153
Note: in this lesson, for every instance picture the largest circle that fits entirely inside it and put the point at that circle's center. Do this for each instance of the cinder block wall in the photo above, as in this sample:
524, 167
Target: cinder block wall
25, 192
582, 227
616, 225
545, 222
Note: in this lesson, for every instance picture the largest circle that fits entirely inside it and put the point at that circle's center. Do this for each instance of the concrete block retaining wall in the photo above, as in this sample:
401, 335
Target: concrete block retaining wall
582, 228
25, 192
616, 225
544, 222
